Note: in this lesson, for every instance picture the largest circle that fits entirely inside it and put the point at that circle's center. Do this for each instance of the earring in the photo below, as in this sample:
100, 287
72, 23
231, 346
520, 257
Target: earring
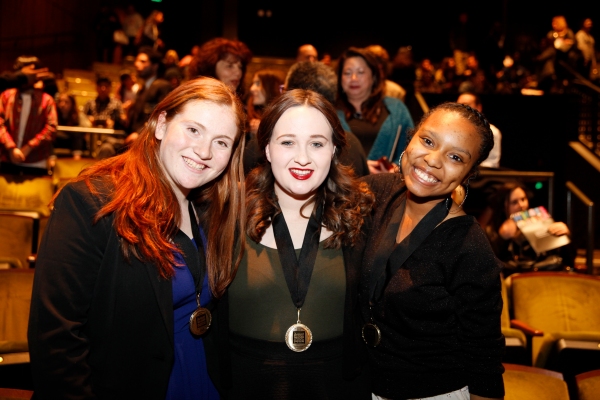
460, 189
400, 164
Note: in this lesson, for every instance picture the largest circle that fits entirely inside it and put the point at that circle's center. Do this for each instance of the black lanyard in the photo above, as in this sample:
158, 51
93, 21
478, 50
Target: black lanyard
404, 249
197, 269
298, 271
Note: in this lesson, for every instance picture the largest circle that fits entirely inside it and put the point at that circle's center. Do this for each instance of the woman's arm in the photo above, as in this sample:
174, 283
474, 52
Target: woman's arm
64, 285
474, 283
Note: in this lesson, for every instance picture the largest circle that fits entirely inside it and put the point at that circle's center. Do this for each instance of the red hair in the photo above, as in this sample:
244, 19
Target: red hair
145, 208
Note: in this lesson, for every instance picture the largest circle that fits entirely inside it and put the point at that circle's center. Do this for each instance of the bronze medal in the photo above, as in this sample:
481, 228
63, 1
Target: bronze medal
298, 337
200, 321
371, 334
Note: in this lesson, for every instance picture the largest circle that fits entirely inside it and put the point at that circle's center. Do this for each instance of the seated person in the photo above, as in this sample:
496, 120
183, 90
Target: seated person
105, 111
69, 115
509, 243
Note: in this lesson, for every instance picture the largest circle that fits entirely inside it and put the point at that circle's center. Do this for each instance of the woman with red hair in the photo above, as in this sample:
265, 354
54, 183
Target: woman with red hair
123, 290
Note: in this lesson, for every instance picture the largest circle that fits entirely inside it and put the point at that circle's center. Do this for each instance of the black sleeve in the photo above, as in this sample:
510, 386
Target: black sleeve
10, 80
66, 272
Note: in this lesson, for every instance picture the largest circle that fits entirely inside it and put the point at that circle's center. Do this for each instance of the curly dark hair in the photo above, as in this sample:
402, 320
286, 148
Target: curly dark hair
215, 50
347, 201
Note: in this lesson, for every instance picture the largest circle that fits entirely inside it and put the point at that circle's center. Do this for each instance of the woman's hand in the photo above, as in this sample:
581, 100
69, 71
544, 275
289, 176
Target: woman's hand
376, 167
558, 229
508, 229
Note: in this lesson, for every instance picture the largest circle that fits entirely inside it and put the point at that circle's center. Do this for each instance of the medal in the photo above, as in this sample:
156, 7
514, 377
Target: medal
371, 334
200, 319
298, 271
298, 336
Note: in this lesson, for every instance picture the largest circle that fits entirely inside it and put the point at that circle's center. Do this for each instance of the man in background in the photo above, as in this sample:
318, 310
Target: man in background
28, 124
307, 52
472, 100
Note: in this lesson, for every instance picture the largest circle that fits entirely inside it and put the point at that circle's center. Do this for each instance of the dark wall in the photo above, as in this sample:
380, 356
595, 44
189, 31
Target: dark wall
63, 30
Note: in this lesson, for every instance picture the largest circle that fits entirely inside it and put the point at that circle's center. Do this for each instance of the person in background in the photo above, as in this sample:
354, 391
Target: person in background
105, 111
171, 59
380, 122
136, 246
26, 75
132, 23
152, 87
474, 101
266, 85
126, 91
587, 45
392, 89
300, 200
150, 34
223, 59
27, 124
508, 242
425, 81
430, 290
307, 52
69, 115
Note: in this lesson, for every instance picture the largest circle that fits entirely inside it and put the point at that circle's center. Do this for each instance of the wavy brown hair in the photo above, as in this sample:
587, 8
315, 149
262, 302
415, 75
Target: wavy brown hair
271, 81
347, 201
145, 208
204, 63
370, 108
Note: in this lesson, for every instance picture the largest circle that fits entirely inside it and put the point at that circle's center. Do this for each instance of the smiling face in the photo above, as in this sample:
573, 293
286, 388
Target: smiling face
300, 152
517, 201
196, 144
357, 79
257, 90
229, 71
440, 155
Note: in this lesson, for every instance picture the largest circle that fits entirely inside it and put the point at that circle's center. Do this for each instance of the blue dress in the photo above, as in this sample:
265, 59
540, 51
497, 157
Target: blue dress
189, 378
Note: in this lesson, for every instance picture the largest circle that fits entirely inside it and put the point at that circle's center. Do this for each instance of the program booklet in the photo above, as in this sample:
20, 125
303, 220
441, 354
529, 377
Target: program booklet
534, 225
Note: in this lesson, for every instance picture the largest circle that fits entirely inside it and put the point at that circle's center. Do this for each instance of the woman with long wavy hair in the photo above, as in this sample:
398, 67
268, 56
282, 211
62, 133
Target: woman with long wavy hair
125, 276
291, 320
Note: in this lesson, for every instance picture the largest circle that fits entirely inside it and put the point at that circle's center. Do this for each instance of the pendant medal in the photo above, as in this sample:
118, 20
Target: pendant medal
200, 320
371, 334
298, 336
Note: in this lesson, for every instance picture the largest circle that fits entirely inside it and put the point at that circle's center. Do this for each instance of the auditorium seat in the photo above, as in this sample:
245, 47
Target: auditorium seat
23, 214
588, 385
528, 383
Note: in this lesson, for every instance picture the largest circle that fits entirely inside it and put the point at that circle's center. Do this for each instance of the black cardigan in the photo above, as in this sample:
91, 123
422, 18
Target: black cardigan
440, 312
99, 327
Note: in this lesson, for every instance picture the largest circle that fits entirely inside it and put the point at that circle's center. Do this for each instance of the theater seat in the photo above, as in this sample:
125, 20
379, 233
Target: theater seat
528, 383
516, 341
66, 169
15, 299
588, 385
23, 213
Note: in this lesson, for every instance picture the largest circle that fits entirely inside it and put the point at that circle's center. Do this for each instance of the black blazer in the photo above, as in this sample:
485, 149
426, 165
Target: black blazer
99, 327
